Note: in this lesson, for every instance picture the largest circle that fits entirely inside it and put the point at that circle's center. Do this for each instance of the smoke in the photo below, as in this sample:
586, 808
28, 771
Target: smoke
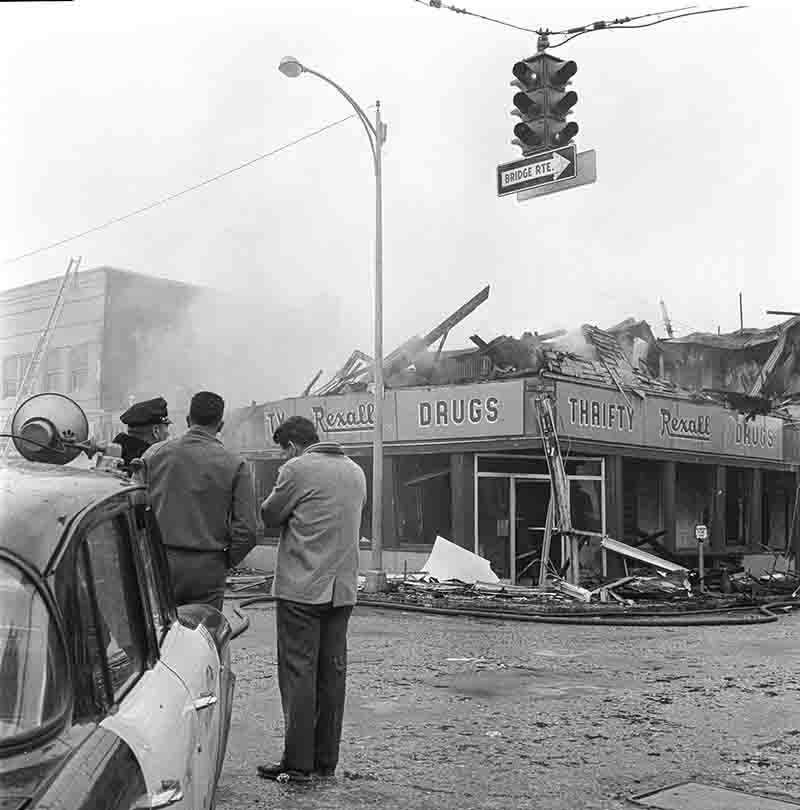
244, 348
575, 342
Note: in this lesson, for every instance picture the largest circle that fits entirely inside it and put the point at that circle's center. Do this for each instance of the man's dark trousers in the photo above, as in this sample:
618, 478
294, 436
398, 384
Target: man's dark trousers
312, 671
198, 577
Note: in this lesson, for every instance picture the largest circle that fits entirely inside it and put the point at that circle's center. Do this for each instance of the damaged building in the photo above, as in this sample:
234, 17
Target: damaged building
658, 437
104, 348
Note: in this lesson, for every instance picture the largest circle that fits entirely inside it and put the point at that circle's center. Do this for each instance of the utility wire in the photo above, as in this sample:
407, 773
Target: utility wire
177, 194
439, 4
601, 25
623, 20
624, 24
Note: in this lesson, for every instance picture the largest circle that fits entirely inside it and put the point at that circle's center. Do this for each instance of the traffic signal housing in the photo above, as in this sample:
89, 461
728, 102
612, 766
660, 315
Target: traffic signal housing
543, 103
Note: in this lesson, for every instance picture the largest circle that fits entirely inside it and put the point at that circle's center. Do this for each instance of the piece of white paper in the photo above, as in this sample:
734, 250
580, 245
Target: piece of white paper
449, 561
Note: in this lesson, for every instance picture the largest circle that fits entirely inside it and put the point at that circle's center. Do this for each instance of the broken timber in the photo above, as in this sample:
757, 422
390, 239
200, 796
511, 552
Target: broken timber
360, 366
642, 556
570, 589
560, 488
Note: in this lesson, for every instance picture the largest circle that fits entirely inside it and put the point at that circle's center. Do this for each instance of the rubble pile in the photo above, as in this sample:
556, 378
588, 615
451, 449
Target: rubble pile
651, 583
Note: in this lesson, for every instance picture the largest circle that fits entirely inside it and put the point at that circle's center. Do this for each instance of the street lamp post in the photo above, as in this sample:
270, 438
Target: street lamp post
376, 133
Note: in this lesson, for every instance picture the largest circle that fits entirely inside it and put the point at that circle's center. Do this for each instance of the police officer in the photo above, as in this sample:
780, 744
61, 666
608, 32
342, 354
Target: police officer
147, 424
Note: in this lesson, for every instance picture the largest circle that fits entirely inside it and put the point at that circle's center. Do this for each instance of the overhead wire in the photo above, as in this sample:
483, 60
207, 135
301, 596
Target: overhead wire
439, 4
170, 197
621, 20
577, 31
602, 26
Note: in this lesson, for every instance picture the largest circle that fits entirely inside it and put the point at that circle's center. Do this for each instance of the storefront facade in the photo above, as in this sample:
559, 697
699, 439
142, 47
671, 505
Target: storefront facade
466, 462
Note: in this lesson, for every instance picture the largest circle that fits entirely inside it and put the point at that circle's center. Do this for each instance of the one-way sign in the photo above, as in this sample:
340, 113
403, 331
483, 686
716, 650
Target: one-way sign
537, 170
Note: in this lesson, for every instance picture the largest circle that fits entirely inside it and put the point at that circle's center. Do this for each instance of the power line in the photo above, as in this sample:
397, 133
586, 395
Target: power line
439, 4
621, 20
625, 23
600, 25
170, 197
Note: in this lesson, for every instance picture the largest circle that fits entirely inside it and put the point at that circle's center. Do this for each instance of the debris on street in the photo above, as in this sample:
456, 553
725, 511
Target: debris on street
449, 561
637, 554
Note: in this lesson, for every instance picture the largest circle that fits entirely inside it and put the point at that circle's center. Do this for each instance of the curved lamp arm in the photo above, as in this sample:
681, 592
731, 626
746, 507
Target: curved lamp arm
372, 135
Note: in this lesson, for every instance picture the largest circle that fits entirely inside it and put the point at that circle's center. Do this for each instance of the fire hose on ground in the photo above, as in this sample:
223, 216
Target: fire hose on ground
712, 617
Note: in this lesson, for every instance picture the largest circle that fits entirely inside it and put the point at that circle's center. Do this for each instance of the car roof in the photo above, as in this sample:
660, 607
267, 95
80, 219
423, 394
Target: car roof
37, 501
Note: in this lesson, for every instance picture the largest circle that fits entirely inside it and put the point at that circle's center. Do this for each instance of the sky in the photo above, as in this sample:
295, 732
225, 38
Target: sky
108, 107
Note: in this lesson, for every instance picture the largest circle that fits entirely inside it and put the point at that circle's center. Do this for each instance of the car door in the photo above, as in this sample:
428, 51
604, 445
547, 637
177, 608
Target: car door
188, 650
151, 708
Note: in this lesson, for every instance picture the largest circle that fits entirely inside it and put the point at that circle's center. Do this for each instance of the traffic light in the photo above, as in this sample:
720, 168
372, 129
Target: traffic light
543, 103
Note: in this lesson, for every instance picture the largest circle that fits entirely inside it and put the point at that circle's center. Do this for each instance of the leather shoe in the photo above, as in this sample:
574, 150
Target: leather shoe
280, 773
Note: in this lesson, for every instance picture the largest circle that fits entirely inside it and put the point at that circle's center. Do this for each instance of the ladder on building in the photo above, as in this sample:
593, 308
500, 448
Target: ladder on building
26, 386
558, 513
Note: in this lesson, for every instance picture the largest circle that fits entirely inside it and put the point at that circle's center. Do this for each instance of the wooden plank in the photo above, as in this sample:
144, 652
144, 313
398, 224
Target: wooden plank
570, 589
611, 585
642, 556
441, 346
452, 320
548, 534
560, 484
307, 389
769, 366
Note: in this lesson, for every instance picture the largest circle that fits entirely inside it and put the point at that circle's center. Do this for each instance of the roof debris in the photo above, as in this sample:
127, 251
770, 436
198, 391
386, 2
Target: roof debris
753, 371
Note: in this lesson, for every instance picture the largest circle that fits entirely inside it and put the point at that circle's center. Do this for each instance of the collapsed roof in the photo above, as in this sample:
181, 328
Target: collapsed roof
626, 356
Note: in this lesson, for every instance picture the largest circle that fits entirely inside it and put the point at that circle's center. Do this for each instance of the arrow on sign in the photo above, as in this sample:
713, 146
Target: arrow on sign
546, 167
558, 164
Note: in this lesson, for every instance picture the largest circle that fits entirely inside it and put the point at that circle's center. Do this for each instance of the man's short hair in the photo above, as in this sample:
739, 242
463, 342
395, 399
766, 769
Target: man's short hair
206, 409
296, 429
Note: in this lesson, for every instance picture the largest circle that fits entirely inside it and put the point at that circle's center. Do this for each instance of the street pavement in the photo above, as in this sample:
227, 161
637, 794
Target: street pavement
449, 712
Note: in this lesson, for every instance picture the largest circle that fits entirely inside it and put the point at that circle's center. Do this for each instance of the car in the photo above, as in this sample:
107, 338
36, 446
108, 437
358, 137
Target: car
111, 697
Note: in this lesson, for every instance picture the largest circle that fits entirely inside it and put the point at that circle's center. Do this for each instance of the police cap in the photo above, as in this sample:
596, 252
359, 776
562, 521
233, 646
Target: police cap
149, 412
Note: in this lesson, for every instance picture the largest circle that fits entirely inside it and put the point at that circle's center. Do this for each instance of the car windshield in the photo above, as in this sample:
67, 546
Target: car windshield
33, 666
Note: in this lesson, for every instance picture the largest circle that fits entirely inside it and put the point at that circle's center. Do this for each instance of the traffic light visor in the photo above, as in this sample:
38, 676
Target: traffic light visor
524, 72
564, 73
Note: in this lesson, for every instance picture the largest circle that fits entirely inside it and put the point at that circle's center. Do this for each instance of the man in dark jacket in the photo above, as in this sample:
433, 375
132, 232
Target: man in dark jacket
147, 423
202, 496
317, 502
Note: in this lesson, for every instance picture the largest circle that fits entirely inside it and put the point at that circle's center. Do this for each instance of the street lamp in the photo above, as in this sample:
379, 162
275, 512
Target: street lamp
376, 133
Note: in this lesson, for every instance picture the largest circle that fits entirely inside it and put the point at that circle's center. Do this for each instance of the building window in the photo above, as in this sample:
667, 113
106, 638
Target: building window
264, 474
78, 367
642, 499
54, 371
737, 506
586, 505
14, 369
422, 490
694, 496
778, 510
365, 462
10, 376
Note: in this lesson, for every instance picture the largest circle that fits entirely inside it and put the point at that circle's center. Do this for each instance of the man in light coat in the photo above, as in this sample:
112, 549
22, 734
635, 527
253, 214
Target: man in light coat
317, 503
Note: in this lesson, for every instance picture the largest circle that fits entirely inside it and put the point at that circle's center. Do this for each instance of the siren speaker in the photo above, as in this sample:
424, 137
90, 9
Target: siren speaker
55, 426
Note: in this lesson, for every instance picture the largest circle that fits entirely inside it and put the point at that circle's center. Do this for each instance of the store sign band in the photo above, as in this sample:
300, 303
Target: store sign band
603, 415
411, 414
497, 409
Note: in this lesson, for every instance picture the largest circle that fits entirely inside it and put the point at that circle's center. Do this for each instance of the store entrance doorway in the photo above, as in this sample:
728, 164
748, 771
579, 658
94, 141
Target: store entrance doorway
532, 498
